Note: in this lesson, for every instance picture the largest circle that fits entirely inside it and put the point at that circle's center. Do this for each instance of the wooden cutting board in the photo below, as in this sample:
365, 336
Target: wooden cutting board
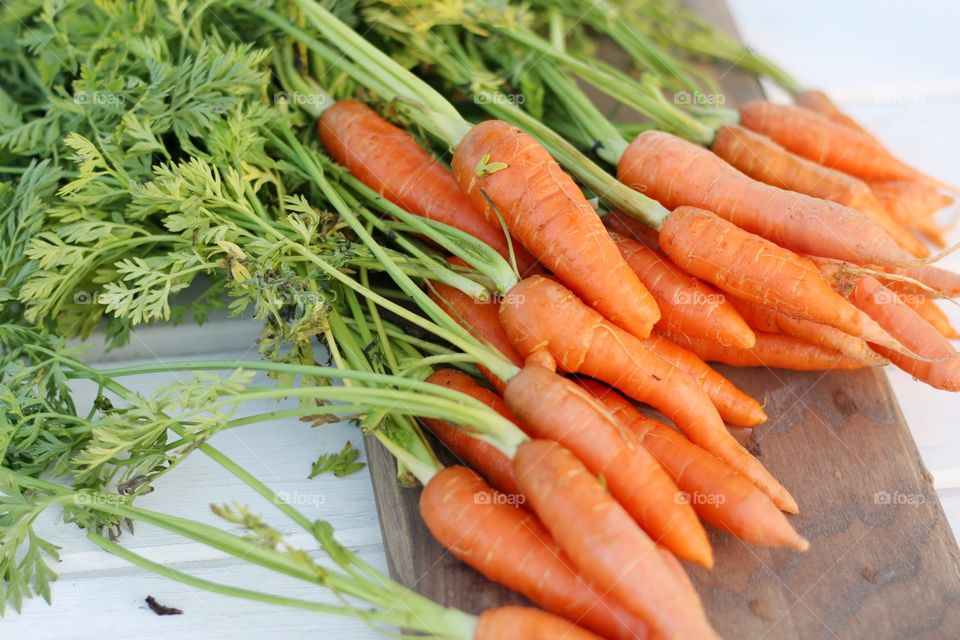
883, 562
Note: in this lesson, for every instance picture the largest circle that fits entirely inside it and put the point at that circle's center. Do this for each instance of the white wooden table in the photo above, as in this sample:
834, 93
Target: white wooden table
891, 65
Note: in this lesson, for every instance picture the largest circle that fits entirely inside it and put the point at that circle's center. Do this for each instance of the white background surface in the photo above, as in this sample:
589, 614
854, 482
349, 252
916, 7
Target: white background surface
894, 66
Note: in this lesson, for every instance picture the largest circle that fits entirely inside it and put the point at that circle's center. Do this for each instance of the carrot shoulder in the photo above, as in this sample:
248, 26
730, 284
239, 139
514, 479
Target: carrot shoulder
549, 318
388, 159
719, 495
510, 546
497, 164
604, 542
679, 173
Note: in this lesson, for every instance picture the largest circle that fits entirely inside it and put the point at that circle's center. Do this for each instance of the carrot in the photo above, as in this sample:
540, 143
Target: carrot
481, 319
819, 102
818, 138
913, 204
763, 159
389, 160
526, 623
679, 173
686, 304
510, 546
929, 311
773, 350
619, 222
633, 476
719, 495
603, 541
941, 368
733, 405
543, 207
549, 318
543, 315
946, 283
653, 498
748, 267
489, 461
772, 321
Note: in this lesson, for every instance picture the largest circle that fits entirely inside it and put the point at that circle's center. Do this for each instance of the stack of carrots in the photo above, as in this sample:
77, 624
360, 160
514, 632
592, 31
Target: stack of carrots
786, 242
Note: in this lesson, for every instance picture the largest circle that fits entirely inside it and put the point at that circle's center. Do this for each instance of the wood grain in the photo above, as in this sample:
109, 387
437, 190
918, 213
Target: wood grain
883, 561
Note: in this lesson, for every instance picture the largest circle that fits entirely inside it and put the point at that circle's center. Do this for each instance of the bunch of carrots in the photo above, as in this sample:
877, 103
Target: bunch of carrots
782, 238
590, 279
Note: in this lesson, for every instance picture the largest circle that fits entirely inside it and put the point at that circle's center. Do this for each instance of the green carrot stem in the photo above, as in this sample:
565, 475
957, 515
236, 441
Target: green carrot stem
485, 259
215, 587
643, 97
451, 330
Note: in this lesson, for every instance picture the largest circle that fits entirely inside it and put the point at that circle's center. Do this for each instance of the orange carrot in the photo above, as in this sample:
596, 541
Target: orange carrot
545, 315
818, 138
775, 350
548, 317
481, 319
527, 623
929, 311
764, 160
485, 458
510, 546
754, 269
819, 102
687, 305
946, 283
543, 207
942, 367
603, 541
734, 406
635, 480
679, 173
621, 223
913, 204
631, 474
389, 160
772, 321
719, 495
